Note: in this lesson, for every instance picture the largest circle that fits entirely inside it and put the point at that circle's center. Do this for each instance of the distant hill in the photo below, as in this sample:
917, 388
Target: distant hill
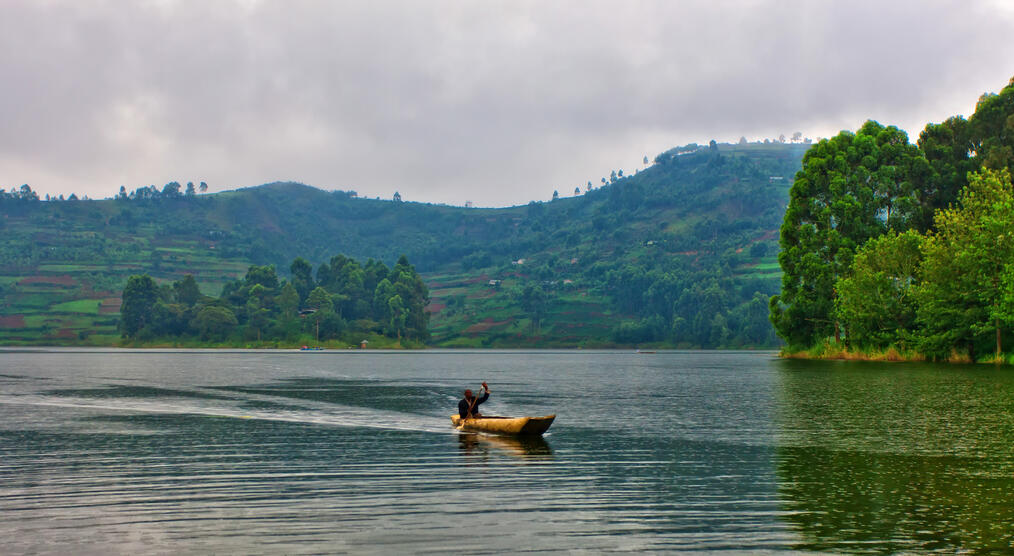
682, 253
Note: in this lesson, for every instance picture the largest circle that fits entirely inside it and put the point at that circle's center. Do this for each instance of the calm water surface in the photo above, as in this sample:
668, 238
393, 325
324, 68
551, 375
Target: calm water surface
127, 452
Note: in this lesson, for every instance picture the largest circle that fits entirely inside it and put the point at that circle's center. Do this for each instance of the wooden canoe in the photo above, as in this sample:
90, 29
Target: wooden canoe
515, 426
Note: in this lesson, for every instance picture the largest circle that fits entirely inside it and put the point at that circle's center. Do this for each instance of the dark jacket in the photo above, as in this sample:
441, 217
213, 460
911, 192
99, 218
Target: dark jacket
464, 404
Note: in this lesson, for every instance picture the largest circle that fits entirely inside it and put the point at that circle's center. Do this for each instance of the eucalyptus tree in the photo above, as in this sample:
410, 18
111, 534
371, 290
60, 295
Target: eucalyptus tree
302, 277
947, 147
958, 146
851, 188
413, 297
288, 301
187, 291
139, 297
992, 129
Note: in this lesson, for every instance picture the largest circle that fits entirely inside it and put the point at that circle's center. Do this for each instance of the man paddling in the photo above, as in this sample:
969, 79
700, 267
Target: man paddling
469, 407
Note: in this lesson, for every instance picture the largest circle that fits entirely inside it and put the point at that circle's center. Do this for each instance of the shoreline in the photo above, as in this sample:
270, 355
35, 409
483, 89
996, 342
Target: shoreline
828, 352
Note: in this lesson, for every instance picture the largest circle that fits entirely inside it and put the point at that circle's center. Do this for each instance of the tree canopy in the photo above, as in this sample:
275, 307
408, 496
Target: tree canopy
851, 188
346, 299
908, 246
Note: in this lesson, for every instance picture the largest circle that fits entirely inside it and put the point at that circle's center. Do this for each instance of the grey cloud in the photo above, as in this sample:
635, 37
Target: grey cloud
497, 102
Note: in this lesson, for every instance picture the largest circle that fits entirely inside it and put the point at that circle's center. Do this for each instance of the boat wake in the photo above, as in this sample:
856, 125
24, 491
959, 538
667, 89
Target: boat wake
310, 413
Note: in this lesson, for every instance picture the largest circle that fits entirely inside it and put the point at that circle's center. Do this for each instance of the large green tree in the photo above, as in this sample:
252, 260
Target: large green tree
344, 278
397, 316
876, 301
947, 147
851, 188
320, 301
288, 301
966, 269
535, 303
992, 129
302, 277
956, 147
139, 297
187, 291
414, 297
215, 322
263, 275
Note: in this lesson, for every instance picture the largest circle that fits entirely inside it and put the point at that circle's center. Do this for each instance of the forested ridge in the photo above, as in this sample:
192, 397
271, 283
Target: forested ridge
681, 252
900, 250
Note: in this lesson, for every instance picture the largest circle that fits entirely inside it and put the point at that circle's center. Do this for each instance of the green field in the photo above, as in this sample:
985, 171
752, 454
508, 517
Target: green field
68, 302
471, 313
85, 306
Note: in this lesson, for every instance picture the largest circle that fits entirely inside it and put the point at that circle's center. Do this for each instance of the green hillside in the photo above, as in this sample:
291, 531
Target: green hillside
683, 253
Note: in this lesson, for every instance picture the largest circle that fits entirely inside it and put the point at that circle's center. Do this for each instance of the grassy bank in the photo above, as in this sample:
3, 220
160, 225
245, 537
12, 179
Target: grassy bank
840, 352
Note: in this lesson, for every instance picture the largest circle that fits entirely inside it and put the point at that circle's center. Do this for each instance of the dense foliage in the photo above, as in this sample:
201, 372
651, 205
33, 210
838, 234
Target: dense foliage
346, 298
851, 188
910, 250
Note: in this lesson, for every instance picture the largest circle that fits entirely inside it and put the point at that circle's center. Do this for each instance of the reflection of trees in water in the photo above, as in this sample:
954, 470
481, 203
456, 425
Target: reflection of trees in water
883, 502
886, 458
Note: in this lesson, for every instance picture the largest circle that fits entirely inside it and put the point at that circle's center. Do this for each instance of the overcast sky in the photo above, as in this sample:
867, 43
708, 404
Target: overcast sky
497, 102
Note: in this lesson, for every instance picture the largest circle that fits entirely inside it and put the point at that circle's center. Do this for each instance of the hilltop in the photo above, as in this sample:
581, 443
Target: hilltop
682, 253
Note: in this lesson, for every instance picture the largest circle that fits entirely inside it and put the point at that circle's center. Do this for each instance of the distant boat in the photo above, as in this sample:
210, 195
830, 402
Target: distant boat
645, 351
513, 426
307, 348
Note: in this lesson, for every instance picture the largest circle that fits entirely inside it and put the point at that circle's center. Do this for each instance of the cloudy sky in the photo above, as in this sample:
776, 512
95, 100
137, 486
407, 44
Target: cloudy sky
497, 102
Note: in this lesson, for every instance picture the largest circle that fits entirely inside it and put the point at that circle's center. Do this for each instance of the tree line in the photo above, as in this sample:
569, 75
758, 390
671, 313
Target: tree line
344, 298
171, 190
891, 245
23, 194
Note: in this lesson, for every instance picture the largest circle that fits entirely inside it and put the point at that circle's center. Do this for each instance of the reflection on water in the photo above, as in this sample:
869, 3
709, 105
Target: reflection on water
260, 452
887, 458
524, 447
269, 452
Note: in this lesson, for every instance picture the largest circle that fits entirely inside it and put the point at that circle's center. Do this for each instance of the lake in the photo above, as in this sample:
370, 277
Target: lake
287, 452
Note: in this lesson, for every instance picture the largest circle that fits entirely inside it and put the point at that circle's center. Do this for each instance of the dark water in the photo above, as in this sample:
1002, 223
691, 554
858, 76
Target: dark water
286, 453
